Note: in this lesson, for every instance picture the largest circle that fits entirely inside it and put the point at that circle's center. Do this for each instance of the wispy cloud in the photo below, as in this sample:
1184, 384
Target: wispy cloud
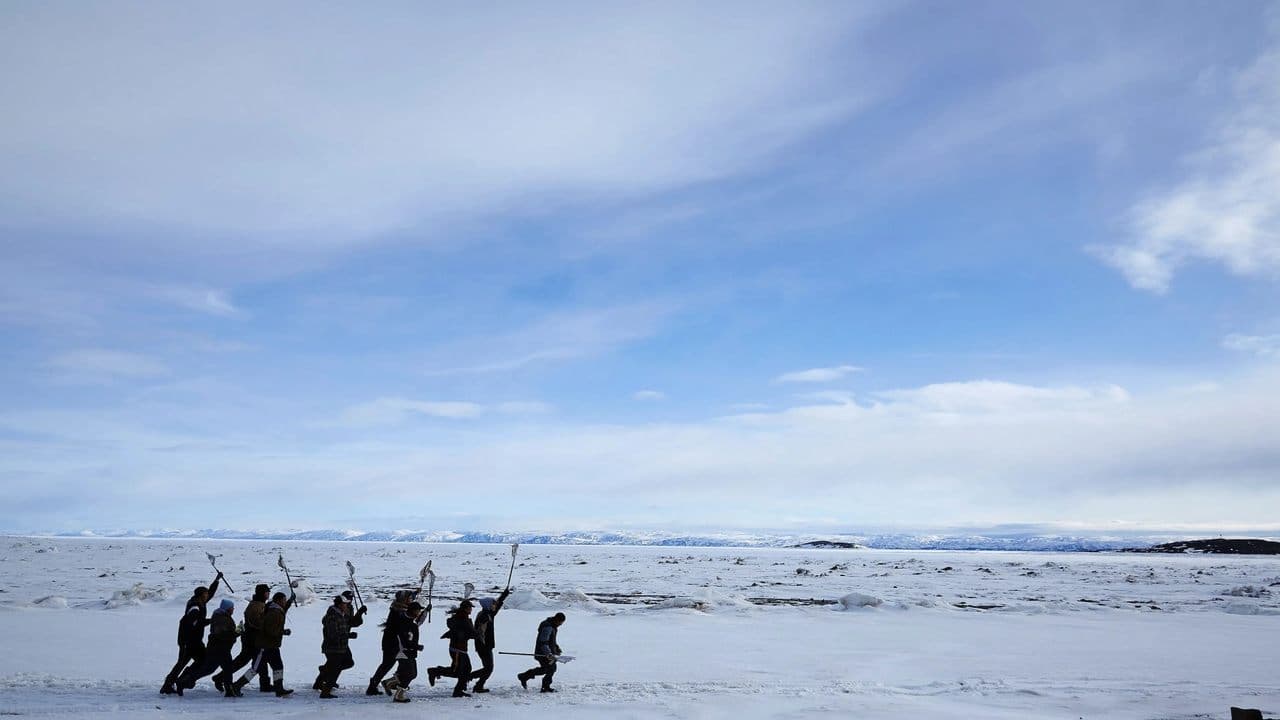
103, 364
649, 395
1227, 209
818, 375
393, 410
1267, 346
558, 336
203, 300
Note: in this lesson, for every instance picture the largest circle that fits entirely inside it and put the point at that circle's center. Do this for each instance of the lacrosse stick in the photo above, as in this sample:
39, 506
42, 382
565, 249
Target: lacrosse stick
213, 560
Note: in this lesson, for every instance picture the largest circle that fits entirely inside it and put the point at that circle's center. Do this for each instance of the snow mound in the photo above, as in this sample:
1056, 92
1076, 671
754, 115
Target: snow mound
135, 595
856, 600
529, 600
705, 600
579, 600
53, 602
1244, 607
1253, 591
305, 593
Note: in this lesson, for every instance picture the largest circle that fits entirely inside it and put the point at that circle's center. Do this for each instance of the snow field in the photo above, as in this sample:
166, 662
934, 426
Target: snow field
680, 632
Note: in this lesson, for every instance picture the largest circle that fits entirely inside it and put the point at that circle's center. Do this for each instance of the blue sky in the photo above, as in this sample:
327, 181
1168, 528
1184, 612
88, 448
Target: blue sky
829, 266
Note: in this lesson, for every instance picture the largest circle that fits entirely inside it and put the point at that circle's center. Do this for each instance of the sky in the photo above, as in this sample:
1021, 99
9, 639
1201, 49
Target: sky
570, 266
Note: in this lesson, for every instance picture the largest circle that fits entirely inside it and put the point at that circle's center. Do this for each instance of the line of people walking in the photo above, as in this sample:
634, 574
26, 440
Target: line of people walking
262, 633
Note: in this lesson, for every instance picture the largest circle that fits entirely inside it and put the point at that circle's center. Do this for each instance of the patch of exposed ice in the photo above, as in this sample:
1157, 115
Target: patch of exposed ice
135, 595
705, 600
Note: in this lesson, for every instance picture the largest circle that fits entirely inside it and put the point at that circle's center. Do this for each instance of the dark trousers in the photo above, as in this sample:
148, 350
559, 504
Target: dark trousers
388, 659
460, 669
406, 671
268, 657
546, 668
334, 664
486, 662
214, 659
248, 653
191, 652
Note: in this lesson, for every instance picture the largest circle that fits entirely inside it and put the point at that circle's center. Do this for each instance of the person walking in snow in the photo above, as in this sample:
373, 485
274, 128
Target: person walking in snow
489, 608
546, 650
191, 632
250, 641
222, 637
391, 638
273, 633
336, 647
460, 631
406, 628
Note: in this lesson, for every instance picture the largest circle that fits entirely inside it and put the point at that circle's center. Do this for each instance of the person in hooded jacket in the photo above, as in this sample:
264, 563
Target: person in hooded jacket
461, 630
250, 640
191, 633
273, 634
337, 622
222, 637
407, 625
546, 650
489, 608
391, 637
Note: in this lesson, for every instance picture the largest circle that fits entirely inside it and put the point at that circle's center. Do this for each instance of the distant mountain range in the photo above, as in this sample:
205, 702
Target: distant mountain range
898, 541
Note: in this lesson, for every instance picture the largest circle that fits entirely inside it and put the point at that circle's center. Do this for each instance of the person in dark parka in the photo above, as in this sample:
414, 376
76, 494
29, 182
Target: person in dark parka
191, 632
489, 608
407, 625
273, 634
391, 639
222, 637
461, 630
546, 650
338, 621
250, 640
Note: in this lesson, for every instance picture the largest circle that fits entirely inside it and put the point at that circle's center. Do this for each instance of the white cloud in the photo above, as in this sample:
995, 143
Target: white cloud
1227, 209
554, 337
818, 375
98, 364
1267, 346
649, 395
203, 300
394, 410
316, 125
525, 407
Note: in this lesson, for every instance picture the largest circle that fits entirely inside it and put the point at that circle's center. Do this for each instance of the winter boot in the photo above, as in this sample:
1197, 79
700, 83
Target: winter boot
230, 689
280, 689
373, 688
548, 688
167, 688
524, 680
400, 696
326, 691
238, 686
479, 688
217, 682
390, 685
432, 674
461, 693
264, 685
319, 683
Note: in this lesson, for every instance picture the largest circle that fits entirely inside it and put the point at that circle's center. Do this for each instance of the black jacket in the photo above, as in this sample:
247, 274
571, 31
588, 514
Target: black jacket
460, 631
222, 632
546, 642
337, 629
194, 618
484, 624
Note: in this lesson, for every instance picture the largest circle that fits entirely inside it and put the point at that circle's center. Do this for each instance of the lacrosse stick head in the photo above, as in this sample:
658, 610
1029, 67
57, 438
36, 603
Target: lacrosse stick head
351, 569
467, 589
514, 548
565, 658
351, 585
431, 581
212, 558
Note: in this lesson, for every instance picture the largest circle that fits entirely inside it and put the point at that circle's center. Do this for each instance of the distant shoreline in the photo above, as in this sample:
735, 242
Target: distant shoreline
969, 543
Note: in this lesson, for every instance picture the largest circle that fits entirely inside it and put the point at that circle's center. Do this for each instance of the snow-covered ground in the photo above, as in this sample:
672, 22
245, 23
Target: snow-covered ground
87, 629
